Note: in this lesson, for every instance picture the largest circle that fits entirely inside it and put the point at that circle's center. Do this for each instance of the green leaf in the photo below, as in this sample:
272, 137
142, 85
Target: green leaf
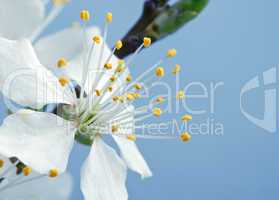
175, 17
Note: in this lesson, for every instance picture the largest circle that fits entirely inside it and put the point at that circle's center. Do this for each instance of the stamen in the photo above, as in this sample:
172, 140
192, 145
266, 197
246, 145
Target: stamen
61, 63
146, 41
53, 173
2, 162
112, 78
185, 137
176, 69
85, 15
136, 53
132, 137
129, 78
121, 99
160, 99
180, 95
171, 53
115, 98
130, 97
86, 62
137, 86
119, 69
186, 118
118, 45
63, 80
160, 72
109, 17
98, 92
137, 95
157, 112
26, 171
110, 88
108, 66
148, 71
114, 128
97, 39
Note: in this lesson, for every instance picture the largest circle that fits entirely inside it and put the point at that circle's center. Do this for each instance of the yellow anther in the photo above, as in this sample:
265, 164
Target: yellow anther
186, 118
160, 99
53, 173
61, 63
121, 99
108, 66
2, 162
137, 86
119, 69
118, 45
112, 78
59, 2
129, 78
146, 41
171, 53
160, 72
176, 69
137, 95
63, 80
84, 15
180, 94
109, 17
157, 112
132, 137
115, 98
98, 92
97, 39
26, 171
114, 128
110, 88
130, 97
185, 137
121, 62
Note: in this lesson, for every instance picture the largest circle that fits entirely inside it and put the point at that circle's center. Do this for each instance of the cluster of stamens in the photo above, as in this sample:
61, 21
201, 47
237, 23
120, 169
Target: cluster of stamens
132, 87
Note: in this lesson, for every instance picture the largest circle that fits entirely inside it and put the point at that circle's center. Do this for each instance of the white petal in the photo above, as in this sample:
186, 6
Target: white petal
43, 188
19, 18
24, 80
103, 174
132, 156
67, 43
129, 149
42, 141
76, 67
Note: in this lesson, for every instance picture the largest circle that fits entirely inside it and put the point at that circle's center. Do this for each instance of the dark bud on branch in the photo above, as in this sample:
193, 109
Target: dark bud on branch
158, 20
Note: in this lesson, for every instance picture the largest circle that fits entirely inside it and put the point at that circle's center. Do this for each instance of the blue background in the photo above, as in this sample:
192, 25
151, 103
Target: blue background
231, 41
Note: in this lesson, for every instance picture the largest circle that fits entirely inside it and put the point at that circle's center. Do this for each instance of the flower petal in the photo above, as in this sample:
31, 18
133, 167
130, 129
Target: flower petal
43, 188
42, 141
129, 149
132, 156
103, 174
67, 44
19, 18
24, 80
